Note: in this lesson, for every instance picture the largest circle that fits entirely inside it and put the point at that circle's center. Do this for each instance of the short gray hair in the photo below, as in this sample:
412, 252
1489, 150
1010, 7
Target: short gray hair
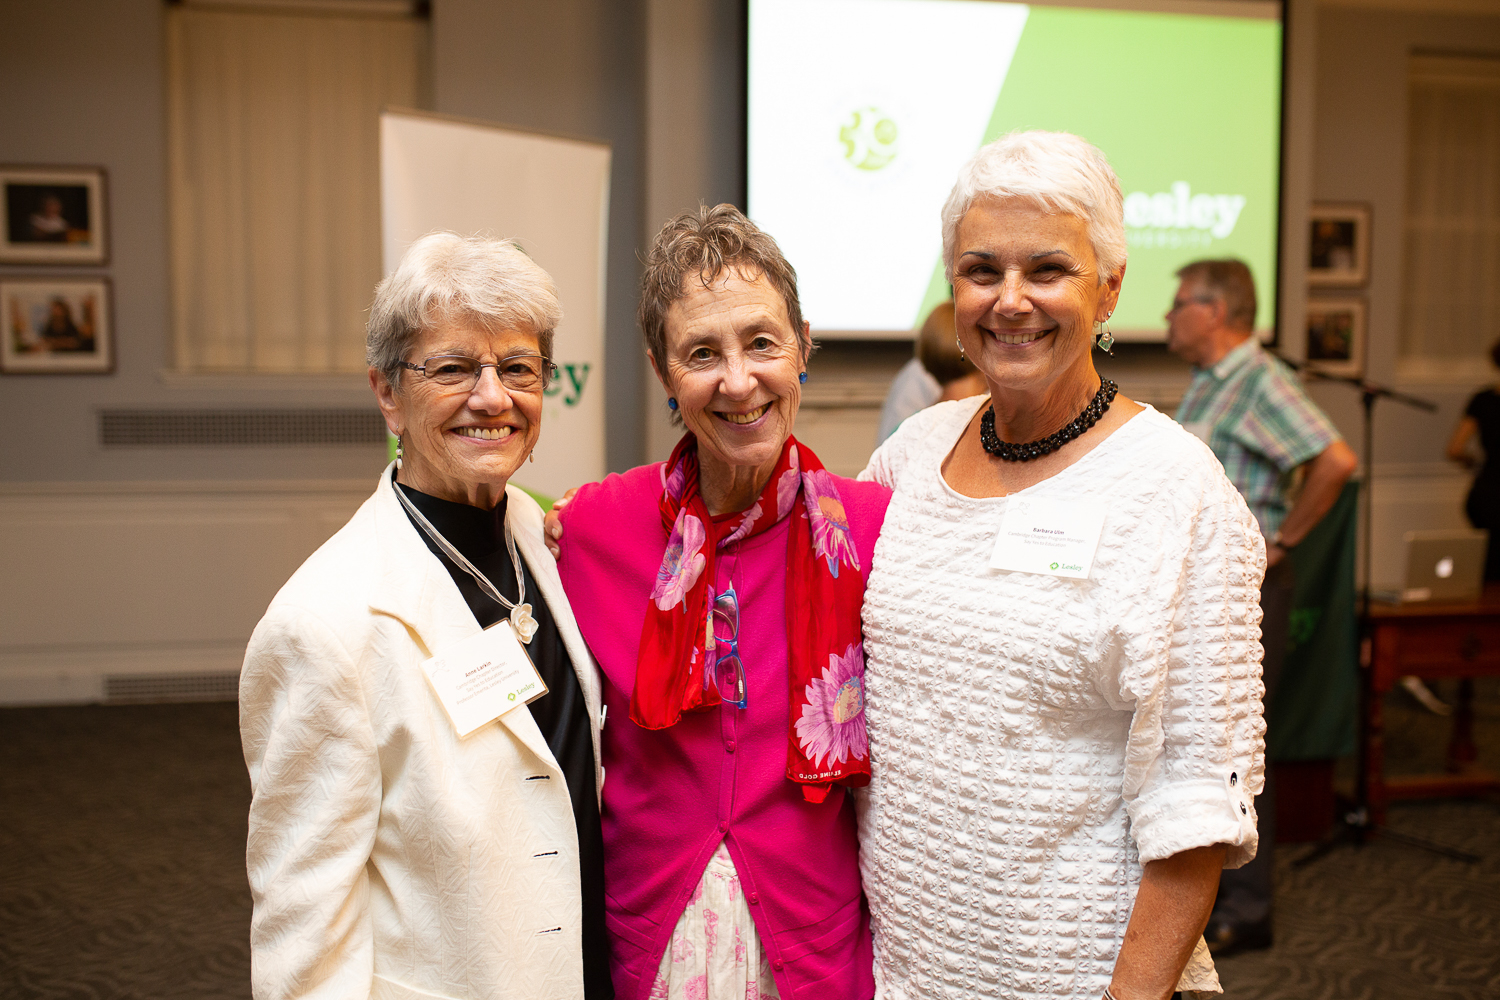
443, 278
1058, 172
1230, 281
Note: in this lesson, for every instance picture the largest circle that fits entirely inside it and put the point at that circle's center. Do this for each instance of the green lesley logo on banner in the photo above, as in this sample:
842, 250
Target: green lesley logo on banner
569, 383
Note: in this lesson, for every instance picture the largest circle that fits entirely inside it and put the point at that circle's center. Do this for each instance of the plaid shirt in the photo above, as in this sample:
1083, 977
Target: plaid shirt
1251, 411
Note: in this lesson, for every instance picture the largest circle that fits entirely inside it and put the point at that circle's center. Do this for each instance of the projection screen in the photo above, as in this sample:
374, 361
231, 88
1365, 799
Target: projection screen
860, 113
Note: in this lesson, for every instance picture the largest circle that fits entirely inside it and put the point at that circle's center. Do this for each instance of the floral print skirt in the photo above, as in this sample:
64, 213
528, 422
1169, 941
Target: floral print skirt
715, 951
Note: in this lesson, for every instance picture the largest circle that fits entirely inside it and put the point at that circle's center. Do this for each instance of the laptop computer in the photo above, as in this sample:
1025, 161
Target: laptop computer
1446, 565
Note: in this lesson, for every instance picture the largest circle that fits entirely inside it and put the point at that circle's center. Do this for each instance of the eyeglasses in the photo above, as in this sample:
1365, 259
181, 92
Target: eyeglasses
519, 372
728, 673
1180, 304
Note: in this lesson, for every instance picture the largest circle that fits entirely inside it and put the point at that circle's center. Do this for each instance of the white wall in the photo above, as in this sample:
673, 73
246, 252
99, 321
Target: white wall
119, 578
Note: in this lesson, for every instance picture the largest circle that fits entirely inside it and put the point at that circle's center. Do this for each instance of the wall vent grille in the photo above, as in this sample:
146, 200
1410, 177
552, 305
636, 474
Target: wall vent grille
150, 688
230, 428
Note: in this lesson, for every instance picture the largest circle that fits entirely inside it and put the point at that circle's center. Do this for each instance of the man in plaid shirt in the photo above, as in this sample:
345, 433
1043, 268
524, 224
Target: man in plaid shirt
1252, 412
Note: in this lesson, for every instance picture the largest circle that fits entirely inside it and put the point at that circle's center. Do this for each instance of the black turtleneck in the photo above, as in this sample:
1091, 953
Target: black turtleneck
561, 714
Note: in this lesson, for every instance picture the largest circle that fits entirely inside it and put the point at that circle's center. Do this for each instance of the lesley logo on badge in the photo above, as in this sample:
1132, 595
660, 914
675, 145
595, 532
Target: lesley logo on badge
1057, 538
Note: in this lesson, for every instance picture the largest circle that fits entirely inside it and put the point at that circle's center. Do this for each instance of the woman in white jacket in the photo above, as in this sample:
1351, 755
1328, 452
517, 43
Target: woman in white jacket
390, 856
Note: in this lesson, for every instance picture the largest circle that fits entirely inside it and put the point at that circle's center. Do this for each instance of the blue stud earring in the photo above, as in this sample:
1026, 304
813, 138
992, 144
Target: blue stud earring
672, 402
802, 377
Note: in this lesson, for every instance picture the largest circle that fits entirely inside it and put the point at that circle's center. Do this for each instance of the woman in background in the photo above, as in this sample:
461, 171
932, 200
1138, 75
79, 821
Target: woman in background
1482, 419
941, 354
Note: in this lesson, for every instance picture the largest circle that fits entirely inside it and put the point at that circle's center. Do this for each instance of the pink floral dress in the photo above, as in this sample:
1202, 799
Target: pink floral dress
715, 952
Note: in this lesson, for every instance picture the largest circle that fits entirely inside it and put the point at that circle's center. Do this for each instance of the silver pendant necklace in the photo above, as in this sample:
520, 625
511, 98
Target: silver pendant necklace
521, 621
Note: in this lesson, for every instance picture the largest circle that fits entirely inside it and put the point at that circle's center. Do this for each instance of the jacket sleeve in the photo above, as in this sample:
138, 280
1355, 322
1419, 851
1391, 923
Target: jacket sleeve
1195, 758
316, 793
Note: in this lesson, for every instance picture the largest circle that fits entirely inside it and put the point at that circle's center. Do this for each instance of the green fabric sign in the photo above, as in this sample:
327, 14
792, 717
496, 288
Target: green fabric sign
1318, 695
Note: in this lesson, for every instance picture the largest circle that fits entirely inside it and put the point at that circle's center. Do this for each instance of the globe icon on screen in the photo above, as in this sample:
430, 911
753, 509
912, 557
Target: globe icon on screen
869, 139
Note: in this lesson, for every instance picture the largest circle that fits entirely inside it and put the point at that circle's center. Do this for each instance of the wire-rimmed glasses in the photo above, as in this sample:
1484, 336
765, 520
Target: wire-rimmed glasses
728, 672
519, 372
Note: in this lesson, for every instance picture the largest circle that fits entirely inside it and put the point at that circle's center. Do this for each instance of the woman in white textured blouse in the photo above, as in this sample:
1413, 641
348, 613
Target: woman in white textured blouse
1062, 627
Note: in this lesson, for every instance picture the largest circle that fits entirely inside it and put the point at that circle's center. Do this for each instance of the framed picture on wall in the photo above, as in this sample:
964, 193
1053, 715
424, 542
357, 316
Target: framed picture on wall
1336, 336
53, 215
1338, 251
56, 326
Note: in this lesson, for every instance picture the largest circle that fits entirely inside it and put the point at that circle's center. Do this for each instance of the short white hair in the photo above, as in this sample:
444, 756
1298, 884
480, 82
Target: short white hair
1057, 171
443, 278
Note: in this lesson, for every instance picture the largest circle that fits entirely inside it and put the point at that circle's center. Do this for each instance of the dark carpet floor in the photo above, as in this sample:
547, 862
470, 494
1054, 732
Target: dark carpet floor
122, 853
122, 833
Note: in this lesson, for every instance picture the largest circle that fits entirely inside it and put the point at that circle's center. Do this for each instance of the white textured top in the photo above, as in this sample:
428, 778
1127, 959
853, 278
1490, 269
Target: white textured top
1034, 740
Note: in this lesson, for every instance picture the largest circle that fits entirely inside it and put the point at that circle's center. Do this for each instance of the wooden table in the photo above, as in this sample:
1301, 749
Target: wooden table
1433, 642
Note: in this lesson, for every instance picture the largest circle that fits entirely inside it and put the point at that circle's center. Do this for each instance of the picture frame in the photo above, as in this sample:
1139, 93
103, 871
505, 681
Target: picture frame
53, 215
56, 326
1338, 249
1336, 335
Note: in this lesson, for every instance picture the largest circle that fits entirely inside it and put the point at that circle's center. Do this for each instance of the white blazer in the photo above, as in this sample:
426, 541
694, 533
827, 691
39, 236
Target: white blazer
388, 858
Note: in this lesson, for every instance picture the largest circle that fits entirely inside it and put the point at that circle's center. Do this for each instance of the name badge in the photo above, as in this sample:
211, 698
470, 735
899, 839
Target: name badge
483, 677
1055, 537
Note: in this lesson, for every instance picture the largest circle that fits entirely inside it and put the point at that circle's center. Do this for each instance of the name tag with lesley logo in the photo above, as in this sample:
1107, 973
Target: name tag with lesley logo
1055, 537
483, 677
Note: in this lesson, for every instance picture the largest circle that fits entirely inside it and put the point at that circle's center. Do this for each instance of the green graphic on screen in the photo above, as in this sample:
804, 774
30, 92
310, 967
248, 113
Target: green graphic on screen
1187, 109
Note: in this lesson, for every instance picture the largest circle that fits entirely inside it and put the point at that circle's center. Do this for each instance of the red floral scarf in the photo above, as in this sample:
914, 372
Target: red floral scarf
826, 740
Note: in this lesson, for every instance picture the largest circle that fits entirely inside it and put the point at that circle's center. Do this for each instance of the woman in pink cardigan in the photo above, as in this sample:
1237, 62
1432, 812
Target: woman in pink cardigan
720, 592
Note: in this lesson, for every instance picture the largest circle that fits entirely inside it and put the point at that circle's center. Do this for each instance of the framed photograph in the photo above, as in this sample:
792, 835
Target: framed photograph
1338, 251
56, 326
1336, 336
53, 215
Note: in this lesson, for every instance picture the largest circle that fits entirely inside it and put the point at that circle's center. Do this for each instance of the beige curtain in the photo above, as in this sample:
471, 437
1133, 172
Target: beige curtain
273, 123
1451, 301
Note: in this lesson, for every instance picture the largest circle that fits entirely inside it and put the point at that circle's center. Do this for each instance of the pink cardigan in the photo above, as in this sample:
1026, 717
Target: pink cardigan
671, 795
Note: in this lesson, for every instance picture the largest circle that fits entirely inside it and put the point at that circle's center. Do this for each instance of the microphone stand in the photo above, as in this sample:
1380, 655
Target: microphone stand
1356, 825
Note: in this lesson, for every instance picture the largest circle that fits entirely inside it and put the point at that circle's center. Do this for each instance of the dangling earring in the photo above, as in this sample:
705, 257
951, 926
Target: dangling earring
960, 343
531, 455
802, 377
398, 454
1106, 340
672, 403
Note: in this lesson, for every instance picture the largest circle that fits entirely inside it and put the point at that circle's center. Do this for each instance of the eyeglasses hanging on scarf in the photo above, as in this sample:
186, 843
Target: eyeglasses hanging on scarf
728, 673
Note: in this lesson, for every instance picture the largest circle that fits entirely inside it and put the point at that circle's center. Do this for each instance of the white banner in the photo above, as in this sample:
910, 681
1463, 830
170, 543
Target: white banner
549, 194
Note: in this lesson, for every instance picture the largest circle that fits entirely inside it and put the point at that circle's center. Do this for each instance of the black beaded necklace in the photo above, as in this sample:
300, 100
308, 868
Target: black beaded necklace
1027, 450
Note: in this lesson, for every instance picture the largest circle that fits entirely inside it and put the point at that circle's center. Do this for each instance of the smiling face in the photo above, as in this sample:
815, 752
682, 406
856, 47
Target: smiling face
1026, 296
462, 445
732, 361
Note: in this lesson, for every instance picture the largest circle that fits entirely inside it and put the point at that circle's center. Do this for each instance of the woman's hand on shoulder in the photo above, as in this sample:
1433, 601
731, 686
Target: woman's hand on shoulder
552, 529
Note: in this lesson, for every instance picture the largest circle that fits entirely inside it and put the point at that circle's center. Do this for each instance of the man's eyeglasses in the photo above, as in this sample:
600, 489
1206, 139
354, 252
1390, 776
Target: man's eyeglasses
519, 372
1180, 304
728, 671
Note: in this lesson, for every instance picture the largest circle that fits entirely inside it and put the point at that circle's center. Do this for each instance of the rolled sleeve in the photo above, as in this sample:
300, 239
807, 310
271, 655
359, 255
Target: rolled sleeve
1195, 759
